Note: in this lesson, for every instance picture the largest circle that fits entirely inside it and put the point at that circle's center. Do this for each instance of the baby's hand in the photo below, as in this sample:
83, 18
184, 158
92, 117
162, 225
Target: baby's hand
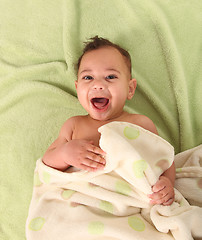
163, 192
85, 155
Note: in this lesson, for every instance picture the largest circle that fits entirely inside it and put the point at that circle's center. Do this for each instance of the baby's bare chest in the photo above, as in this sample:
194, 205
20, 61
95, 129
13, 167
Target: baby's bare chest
87, 132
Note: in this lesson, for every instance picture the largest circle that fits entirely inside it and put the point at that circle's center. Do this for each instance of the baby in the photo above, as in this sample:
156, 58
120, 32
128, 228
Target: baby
103, 85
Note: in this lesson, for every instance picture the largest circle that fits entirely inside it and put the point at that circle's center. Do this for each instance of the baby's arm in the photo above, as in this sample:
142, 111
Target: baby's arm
163, 190
65, 152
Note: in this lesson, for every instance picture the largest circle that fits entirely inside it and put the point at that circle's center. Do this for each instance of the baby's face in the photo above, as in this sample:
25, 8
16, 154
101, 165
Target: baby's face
104, 84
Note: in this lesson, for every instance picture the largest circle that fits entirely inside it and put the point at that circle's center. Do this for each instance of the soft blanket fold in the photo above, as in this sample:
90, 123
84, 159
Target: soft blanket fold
112, 203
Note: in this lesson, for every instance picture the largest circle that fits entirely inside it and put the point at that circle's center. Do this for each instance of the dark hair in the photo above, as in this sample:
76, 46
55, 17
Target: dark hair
99, 42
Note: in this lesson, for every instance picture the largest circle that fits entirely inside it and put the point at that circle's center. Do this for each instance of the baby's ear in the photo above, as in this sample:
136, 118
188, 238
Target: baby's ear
132, 87
76, 83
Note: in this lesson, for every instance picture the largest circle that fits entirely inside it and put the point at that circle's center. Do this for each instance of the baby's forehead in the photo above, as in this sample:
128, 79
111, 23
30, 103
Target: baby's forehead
104, 54
108, 55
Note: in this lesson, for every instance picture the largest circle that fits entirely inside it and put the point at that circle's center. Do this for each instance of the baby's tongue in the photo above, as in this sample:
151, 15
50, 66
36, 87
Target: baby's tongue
100, 102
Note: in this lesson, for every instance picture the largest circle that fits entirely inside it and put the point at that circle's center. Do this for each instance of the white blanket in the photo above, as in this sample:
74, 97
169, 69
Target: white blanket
113, 203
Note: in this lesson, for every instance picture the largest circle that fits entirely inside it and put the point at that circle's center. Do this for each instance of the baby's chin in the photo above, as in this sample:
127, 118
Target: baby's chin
105, 116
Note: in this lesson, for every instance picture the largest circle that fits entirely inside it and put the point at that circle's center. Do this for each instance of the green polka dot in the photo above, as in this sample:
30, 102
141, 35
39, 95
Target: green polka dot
131, 133
106, 206
66, 194
37, 181
182, 203
136, 223
122, 187
46, 177
96, 228
139, 167
36, 224
178, 170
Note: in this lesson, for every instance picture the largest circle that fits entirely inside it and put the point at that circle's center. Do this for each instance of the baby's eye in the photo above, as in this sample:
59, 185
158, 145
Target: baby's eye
87, 77
111, 77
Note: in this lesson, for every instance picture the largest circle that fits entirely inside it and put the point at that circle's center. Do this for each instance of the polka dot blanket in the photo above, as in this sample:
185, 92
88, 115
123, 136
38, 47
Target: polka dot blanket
113, 203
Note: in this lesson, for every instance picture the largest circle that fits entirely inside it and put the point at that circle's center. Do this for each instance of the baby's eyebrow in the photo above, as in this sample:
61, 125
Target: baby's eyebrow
108, 70
85, 70
112, 69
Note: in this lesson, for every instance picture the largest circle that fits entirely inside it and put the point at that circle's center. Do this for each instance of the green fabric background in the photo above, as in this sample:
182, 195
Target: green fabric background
39, 43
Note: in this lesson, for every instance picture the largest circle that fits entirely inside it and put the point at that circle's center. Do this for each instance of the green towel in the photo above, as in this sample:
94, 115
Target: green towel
39, 43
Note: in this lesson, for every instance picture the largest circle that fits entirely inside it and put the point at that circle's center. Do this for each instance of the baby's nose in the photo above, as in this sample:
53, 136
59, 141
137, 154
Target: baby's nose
99, 85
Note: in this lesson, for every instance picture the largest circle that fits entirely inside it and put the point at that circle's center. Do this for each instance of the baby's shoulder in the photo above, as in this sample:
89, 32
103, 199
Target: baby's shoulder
143, 121
73, 121
68, 128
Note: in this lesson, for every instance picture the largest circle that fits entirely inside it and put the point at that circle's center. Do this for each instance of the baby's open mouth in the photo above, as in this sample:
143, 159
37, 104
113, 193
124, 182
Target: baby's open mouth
100, 103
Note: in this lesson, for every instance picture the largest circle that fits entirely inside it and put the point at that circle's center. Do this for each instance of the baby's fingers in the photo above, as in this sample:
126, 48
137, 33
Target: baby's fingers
164, 197
158, 195
93, 163
158, 186
95, 159
169, 202
96, 150
159, 199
